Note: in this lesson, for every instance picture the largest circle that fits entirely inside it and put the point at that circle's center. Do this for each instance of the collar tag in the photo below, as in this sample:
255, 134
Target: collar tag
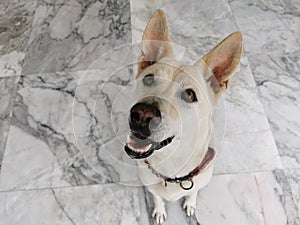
187, 184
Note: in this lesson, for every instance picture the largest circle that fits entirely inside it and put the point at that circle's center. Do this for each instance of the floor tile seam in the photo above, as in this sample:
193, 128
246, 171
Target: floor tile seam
135, 187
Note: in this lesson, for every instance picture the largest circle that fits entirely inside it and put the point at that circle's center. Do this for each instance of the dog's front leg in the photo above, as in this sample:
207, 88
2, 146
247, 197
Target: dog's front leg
159, 211
189, 204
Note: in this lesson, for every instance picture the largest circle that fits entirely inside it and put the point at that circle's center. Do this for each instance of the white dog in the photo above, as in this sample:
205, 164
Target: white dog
171, 127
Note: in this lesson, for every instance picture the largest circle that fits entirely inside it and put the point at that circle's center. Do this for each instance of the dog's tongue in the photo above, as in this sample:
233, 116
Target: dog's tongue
136, 143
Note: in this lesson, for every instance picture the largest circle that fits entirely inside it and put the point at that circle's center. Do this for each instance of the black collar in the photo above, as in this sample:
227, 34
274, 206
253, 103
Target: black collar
207, 160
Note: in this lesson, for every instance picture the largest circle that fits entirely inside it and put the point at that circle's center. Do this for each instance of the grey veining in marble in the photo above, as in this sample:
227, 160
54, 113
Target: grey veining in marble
264, 30
15, 24
93, 205
287, 191
293, 178
277, 78
257, 198
8, 87
70, 34
57, 128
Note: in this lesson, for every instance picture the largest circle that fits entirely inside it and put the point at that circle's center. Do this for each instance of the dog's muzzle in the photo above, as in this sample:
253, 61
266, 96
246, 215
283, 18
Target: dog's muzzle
143, 118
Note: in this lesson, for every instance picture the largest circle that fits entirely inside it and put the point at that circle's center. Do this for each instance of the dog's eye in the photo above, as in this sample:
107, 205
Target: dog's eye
148, 80
189, 95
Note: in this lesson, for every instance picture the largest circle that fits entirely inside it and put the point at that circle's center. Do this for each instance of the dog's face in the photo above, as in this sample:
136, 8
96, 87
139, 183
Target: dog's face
175, 100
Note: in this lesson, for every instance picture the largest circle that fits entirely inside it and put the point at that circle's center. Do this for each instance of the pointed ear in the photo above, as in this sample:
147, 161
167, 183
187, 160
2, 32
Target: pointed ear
156, 41
223, 61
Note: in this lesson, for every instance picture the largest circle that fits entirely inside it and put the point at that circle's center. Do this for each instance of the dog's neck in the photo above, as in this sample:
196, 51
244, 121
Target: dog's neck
180, 157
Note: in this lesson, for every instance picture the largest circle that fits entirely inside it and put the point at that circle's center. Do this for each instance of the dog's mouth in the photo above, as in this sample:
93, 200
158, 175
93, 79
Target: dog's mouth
140, 147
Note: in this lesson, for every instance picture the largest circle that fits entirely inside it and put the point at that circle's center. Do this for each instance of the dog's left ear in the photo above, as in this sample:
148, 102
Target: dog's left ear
223, 61
156, 41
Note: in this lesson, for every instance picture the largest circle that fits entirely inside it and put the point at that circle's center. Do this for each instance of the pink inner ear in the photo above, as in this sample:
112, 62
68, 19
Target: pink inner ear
157, 28
225, 57
223, 66
156, 41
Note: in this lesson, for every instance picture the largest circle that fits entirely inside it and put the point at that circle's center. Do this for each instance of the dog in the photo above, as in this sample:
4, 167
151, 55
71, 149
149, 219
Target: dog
171, 132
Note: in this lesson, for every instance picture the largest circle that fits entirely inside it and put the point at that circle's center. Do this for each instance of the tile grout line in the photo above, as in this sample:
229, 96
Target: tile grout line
63, 187
233, 16
260, 199
119, 184
264, 110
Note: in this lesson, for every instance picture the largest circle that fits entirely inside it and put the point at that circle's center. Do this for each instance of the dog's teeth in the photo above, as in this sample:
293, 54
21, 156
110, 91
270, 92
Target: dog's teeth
148, 147
144, 149
138, 150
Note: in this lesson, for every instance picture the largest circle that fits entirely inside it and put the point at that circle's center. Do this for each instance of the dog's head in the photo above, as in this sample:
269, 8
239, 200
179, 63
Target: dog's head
175, 97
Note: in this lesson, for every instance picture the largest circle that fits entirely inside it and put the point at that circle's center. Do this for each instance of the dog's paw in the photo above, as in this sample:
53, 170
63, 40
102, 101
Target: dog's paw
189, 206
159, 214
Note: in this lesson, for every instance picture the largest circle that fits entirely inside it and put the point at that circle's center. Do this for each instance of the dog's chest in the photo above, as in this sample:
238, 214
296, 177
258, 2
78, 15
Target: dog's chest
173, 191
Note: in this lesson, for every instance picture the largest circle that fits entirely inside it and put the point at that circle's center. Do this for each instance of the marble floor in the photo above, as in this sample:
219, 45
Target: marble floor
65, 66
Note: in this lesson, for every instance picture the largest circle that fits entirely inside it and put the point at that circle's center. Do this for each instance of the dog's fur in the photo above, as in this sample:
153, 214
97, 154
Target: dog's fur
189, 123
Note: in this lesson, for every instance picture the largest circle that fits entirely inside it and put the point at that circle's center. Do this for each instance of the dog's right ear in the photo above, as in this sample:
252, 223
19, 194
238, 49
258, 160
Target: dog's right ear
156, 41
223, 61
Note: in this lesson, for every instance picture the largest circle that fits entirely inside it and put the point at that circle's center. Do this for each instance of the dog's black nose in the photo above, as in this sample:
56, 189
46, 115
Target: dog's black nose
142, 117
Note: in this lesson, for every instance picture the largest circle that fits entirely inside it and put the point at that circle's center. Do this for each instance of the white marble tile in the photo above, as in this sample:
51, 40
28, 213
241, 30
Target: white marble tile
71, 35
292, 21
276, 196
29, 163
248, 143
230, 199
200, 26
15, 24
66, 134
278, 88
262, 28
8, 88
101, 205
259, 198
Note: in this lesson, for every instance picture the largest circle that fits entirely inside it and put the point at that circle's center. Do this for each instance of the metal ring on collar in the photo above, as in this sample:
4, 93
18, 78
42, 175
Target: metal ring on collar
187, 188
